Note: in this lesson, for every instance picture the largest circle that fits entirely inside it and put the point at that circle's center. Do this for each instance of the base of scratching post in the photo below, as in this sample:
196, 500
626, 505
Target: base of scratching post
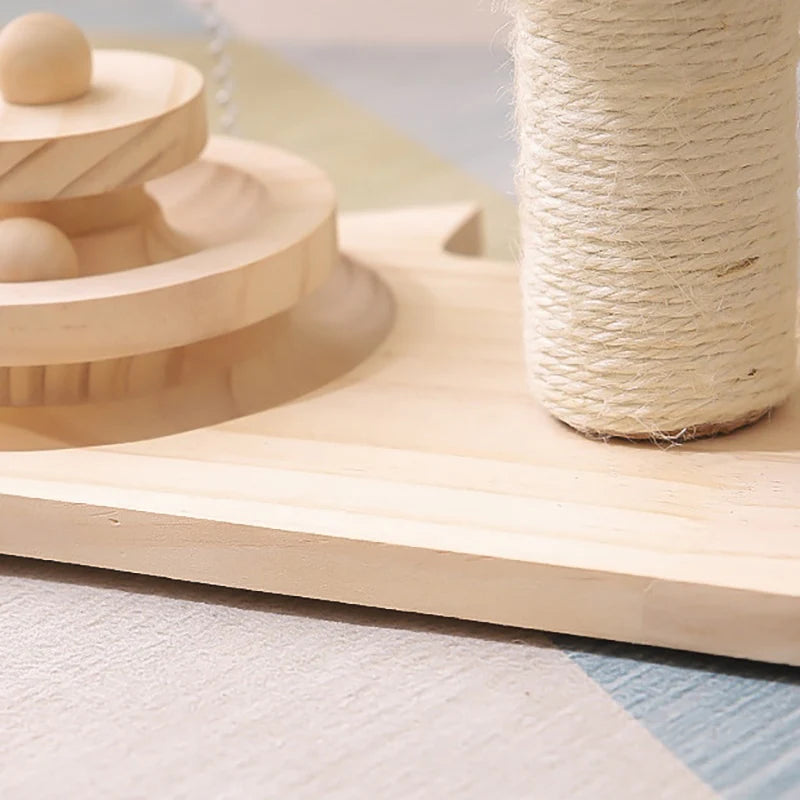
377, 445
687, 434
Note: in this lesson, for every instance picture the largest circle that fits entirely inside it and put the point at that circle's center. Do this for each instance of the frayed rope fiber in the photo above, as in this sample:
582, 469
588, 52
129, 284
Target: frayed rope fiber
658, 199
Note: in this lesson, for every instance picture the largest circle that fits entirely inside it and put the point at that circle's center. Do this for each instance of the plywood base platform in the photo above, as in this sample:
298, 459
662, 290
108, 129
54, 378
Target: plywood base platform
377, 445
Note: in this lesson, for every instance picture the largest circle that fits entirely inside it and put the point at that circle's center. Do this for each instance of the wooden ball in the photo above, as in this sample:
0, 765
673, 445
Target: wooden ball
34, 250
44, 58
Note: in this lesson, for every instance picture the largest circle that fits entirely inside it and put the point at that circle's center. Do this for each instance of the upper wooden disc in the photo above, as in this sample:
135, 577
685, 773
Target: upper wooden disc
143, 117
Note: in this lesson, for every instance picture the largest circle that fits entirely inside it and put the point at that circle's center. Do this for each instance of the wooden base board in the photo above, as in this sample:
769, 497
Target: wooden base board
423, 478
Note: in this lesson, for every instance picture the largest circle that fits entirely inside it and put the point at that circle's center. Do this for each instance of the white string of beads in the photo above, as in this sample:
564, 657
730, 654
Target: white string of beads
219, 39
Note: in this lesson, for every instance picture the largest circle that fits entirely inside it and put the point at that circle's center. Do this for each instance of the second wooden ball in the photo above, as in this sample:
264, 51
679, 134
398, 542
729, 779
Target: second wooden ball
44, 58
34, 250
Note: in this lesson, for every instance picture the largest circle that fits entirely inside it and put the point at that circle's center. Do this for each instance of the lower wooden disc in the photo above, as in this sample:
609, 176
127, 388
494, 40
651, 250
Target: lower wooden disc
288, 355
232, 239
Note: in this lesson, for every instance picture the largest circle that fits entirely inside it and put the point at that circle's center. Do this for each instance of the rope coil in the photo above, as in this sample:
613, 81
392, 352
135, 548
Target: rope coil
657, 184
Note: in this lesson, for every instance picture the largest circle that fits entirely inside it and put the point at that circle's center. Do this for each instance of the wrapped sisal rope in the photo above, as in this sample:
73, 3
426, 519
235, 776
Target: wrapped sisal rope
657, 185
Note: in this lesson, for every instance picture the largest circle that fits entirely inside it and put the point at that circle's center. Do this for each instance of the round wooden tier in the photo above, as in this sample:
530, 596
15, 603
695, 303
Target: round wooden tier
273, 362
143, 118
254, 230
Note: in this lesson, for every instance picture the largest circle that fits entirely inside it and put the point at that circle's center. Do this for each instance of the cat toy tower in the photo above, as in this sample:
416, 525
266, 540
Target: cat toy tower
206, 375
113, 257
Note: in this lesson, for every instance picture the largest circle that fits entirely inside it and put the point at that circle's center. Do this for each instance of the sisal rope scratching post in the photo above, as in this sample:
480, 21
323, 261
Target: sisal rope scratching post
657, 185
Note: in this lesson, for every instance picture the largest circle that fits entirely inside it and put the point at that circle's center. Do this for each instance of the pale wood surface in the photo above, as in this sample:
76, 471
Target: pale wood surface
253, 230
143, 118
426, 479
331, 331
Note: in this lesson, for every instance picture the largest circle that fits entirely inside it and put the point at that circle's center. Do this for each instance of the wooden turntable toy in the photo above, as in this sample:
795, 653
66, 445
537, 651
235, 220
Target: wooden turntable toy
108, 269
205, 375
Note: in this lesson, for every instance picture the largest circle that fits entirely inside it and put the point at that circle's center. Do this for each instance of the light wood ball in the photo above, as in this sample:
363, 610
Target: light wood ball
44, 58
34, 250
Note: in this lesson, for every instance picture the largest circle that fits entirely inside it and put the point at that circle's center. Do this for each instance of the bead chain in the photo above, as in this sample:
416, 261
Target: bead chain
219, 38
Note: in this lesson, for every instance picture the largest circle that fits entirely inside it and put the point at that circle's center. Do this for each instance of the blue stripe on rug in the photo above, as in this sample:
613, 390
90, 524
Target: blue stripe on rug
735, 723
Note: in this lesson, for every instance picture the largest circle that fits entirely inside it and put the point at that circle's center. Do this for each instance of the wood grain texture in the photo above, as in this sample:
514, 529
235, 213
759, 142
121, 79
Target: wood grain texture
229, 241
328, 333
427, 480
143, 118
